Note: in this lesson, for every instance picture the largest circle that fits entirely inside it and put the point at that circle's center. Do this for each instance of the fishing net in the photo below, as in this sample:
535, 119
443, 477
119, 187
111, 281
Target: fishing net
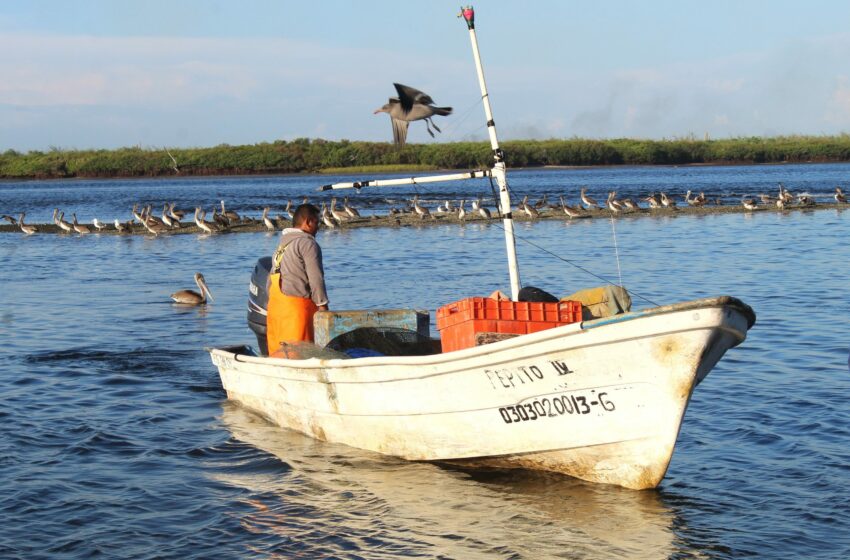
383, 341
307, 350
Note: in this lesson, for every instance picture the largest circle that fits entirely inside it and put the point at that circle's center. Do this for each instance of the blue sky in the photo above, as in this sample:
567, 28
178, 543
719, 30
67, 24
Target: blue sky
104, 74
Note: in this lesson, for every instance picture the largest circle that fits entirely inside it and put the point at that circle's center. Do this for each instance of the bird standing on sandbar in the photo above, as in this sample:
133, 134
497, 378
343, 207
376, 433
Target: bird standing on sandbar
411, 105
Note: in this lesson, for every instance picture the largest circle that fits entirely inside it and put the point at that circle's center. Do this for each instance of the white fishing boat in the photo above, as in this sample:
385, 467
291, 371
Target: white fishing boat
601, 400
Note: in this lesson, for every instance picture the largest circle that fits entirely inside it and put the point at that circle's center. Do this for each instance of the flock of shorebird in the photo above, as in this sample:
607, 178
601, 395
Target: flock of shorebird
171, 219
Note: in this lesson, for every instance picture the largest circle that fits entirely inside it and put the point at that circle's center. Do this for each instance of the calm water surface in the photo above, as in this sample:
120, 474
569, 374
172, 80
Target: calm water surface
116, 439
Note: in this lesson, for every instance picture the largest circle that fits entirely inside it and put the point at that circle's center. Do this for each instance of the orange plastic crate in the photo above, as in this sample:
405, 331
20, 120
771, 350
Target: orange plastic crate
460, 321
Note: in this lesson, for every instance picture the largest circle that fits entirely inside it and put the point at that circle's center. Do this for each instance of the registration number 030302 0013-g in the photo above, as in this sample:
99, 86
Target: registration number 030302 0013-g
558, 405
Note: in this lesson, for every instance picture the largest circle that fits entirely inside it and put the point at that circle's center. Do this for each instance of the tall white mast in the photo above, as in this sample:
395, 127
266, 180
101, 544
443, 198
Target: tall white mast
499, 171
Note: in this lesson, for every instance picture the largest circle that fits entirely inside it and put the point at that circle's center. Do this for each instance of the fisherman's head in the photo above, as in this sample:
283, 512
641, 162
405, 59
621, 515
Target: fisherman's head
306, 218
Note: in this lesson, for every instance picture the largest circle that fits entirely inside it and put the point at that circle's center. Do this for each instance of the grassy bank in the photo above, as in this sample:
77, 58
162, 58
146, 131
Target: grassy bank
306, 155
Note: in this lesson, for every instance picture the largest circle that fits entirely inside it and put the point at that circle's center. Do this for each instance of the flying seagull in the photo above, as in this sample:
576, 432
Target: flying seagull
411, 105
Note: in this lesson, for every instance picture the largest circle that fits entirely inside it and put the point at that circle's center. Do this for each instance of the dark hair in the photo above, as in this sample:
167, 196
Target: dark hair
303, 212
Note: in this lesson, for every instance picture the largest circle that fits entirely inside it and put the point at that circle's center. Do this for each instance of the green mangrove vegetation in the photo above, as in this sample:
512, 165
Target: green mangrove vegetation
316, 155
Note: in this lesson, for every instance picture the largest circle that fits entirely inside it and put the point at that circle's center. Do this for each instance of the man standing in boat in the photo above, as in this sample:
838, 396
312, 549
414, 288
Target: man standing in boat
297, 281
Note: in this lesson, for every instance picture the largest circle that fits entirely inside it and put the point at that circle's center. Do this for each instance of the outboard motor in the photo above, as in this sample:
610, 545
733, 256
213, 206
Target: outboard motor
258, 302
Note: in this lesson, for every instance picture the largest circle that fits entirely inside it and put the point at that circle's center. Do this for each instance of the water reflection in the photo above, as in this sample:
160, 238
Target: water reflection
461, 514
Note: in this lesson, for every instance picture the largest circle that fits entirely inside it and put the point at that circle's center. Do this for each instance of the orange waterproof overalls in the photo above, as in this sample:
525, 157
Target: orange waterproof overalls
289, 318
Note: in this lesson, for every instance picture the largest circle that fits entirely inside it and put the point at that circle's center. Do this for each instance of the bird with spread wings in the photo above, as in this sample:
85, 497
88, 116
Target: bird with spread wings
411, 105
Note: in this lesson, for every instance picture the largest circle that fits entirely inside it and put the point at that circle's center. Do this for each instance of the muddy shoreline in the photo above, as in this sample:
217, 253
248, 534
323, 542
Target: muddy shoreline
413, 220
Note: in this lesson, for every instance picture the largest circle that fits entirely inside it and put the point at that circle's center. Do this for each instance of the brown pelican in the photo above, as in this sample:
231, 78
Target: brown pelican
461, 212
154, 227
588, 202
350, 209
530, 211
411, 105
804, 199
63, 225
219, 220
542, 202
785, 194
570, 211
422, 211
483, 212
839, 196
168, 219
667, 201
80, 228
190, 297
613, 204
780, 203
149, 217
29, 230
266, 220
9, 219
337, 215
691, 201
327, 219
630, 205
230, 214
654, 201
203, 225
175, 214
749, 203
136, 214
287, 211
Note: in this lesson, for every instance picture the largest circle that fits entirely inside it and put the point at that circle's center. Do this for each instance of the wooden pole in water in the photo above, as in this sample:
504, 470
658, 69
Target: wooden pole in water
499, 170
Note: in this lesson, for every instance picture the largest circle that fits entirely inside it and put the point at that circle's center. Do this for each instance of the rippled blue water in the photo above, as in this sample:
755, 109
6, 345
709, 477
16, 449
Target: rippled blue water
116, 439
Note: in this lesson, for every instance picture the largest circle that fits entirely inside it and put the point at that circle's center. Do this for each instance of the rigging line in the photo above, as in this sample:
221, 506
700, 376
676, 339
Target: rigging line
616, 251
575, 265
451, 128
559, 257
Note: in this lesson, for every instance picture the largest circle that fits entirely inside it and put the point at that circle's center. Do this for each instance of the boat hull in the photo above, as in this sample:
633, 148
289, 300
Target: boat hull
602, 401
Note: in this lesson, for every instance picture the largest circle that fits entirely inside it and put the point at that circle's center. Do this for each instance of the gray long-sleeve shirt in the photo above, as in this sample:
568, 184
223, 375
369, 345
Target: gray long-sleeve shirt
301, 270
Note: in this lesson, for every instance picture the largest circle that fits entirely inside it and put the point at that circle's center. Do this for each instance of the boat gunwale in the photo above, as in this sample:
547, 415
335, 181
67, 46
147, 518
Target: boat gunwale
472, 353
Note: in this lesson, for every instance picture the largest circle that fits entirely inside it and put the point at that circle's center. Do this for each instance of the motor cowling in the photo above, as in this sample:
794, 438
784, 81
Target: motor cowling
258, 301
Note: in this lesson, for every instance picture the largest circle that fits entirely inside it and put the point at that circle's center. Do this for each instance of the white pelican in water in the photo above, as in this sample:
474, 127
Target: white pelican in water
27, 229
190, 297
